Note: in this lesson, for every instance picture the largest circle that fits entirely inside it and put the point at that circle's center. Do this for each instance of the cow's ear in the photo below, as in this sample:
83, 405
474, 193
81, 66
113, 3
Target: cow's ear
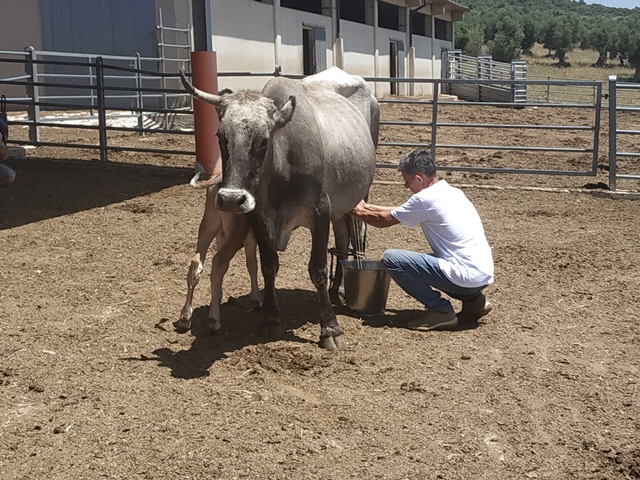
226, 91
286, 112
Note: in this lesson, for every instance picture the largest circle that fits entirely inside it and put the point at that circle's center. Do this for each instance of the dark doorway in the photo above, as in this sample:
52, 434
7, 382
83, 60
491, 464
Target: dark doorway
314, 50
393, 65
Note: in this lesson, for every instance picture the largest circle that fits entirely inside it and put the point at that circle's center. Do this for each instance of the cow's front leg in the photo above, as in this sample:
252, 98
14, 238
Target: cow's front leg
270, 327
331, 337
250, 251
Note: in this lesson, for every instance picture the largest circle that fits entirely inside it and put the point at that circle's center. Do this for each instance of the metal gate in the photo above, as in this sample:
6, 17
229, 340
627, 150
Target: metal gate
627, 105
484, 67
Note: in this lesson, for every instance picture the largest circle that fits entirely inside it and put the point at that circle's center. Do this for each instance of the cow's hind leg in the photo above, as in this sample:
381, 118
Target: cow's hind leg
331, 337
341, 235
210, 226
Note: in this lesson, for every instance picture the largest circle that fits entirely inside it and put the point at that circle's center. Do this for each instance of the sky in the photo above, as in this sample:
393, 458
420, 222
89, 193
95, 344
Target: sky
616, 3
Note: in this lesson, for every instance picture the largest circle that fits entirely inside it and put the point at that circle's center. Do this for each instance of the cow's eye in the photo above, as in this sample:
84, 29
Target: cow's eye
260, 148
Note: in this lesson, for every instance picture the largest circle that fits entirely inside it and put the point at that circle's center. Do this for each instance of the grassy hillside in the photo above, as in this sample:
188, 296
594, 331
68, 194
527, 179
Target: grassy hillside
541, 65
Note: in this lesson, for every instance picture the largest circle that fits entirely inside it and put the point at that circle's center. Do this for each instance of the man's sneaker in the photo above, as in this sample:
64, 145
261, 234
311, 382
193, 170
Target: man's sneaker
434, 321
475, 309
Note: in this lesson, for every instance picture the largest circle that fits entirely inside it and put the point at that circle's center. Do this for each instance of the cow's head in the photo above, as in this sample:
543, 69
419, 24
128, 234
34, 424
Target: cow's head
248, 121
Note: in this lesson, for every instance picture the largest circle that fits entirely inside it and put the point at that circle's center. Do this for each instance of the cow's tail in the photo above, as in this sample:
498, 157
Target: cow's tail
197, 183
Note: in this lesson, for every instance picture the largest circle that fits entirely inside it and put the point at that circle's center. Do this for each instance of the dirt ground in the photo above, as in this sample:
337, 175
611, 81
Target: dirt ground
96, 383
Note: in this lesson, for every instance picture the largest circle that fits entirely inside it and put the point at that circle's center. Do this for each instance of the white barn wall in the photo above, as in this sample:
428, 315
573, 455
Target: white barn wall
438, 46
243, 35
383, 37
358, 48
423, 65
290, 23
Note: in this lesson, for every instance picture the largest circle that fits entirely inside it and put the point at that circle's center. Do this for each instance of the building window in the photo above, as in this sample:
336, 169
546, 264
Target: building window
390, 16
353, 10
444, 30
321, 7
421, 24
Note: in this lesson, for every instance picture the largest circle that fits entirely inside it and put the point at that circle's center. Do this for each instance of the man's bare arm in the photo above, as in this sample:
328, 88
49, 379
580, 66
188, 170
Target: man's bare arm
375, 215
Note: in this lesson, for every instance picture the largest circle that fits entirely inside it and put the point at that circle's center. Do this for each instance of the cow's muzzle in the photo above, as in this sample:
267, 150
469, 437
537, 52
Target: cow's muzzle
235, 200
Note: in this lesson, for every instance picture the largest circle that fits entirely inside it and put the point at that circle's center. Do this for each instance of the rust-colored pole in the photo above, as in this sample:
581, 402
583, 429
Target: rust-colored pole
204, 68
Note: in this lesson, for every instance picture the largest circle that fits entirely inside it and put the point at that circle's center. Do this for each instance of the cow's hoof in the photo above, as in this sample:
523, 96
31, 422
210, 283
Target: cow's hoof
256, 305
270, 331
183, 325
334, 344
214, 326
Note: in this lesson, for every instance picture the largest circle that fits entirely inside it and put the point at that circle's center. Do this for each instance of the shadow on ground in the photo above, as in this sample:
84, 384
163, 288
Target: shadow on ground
239, 330
46, 188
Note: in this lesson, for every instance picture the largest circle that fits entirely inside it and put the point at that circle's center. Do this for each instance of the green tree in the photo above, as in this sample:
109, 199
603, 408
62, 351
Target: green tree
470, 39
507, 42
561, 34
600, 38
531, 31
631, 50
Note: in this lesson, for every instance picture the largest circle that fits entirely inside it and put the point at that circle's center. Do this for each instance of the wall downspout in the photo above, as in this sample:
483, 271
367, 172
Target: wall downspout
433, 53
376, 53
208, 15
411, 51
338, 42
277, 38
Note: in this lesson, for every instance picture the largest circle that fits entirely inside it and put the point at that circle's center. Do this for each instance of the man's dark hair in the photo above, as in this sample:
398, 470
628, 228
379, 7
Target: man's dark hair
418, 161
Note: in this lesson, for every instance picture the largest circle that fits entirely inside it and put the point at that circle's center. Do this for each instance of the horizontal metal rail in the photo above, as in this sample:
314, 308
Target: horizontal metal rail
101, 94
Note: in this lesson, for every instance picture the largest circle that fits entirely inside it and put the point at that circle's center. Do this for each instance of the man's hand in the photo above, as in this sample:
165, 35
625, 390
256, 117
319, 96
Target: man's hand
359, 209
374, 215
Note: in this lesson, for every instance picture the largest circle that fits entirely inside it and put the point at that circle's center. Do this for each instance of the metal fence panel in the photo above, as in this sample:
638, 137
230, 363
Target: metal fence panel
629, 93
104, 93
484, 67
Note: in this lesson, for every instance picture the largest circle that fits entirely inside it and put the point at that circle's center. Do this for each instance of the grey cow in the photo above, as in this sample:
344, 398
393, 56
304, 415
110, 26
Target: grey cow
298, 153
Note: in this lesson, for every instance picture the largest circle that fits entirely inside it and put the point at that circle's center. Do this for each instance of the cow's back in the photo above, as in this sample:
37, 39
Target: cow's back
328, 138
355, 89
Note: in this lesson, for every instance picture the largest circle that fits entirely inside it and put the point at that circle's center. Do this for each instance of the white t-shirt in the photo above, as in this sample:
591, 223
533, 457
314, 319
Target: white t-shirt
454, 231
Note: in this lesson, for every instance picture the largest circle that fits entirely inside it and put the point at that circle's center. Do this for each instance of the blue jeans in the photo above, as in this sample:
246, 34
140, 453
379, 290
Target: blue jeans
417, 273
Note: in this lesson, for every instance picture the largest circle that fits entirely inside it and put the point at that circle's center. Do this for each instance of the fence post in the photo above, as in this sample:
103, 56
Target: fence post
139, 100
102, 117
613, 147
434, 119
548, 87
33, 110
596, 129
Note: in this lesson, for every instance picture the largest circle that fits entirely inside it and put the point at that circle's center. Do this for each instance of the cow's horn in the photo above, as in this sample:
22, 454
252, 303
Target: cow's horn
197, 93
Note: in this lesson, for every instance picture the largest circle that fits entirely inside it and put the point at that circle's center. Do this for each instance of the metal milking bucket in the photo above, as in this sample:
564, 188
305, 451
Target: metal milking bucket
366, 286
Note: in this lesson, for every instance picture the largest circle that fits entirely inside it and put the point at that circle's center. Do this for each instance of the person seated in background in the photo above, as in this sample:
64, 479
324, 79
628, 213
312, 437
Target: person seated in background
461, 264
